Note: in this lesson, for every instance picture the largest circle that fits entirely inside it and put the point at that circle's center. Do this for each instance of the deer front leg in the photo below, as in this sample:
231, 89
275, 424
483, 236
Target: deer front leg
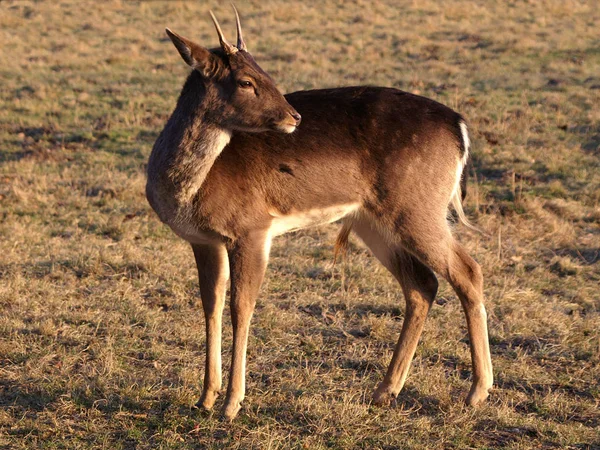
247, 261
213, 274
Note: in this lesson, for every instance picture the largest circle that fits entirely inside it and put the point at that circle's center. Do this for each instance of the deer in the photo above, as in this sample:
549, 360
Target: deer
238, 164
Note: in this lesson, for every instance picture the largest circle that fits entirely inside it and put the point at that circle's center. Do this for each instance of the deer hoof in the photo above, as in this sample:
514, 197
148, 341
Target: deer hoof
383, 396
207, 400
231, 409
478, 394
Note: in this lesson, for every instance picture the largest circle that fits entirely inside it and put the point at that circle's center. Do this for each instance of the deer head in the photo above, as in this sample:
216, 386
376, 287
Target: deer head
242, 96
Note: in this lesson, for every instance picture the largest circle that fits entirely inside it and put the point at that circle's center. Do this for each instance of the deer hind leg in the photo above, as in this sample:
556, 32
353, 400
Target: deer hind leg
440, 251
467, 281
213, 274
248, 261
419, 286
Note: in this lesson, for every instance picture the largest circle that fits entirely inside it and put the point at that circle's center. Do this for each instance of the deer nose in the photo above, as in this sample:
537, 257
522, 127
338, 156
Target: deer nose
297, 117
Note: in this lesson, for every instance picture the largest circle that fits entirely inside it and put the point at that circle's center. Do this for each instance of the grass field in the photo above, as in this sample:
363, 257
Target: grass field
101, 327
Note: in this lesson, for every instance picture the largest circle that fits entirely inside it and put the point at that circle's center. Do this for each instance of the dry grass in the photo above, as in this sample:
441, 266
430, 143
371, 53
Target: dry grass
101, 333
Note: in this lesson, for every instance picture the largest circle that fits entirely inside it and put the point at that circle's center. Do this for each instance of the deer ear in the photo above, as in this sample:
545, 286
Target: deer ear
195, 56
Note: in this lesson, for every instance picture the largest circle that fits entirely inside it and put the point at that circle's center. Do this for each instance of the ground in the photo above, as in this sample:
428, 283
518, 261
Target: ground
101, 329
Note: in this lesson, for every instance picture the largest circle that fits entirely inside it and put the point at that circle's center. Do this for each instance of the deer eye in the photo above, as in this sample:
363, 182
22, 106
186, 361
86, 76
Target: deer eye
244, 84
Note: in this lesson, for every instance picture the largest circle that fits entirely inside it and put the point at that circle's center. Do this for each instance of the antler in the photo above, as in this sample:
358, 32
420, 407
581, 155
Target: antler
241, 45
226, 46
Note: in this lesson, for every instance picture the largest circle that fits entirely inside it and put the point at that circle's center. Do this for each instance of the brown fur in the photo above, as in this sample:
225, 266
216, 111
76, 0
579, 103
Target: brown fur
392, 156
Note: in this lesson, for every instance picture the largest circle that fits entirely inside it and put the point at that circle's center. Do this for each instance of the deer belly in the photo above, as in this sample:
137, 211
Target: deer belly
303, 219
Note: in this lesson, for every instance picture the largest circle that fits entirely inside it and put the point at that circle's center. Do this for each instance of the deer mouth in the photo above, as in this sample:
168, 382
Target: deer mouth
286, 127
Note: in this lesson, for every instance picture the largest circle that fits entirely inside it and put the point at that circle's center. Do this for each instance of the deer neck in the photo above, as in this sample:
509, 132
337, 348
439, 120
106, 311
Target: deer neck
188, 146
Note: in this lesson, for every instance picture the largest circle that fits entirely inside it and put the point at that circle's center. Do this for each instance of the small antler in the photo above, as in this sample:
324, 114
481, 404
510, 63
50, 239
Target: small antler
241, 45
226, 46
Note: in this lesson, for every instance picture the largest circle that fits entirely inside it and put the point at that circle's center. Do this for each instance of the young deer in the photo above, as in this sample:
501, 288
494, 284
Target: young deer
233, 168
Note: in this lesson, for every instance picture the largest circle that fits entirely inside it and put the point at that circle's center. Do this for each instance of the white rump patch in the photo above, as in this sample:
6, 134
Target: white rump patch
466, 141
303, 219
462, 162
